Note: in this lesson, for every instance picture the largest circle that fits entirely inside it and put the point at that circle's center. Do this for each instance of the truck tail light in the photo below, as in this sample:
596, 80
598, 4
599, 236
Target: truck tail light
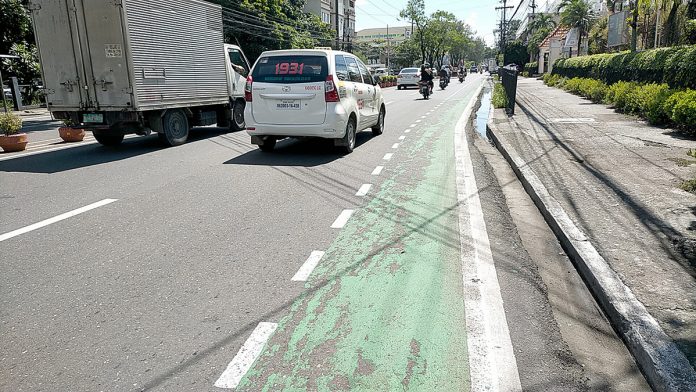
247, 89
330, 91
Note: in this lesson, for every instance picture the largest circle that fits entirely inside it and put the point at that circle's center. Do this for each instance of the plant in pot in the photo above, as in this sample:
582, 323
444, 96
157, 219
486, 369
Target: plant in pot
70, 134
11, 140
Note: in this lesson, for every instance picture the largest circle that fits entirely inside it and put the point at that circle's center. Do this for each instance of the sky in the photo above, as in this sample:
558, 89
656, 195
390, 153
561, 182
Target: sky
479, 14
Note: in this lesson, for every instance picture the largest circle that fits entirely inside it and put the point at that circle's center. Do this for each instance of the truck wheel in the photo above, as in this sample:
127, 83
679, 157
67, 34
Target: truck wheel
108, 139
175, 128
238, 123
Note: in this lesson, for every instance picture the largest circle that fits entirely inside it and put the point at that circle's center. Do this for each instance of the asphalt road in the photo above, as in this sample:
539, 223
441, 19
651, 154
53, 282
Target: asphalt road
184, 269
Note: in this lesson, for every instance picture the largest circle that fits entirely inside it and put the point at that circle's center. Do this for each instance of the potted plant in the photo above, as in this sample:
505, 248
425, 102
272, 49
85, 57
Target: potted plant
70, 134
11, 139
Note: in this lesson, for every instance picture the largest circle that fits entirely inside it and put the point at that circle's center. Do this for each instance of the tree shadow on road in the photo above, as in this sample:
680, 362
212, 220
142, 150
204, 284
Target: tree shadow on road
91, 154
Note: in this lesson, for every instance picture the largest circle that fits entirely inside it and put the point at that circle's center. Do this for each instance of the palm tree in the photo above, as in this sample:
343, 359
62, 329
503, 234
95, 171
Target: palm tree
576, 14
542, 22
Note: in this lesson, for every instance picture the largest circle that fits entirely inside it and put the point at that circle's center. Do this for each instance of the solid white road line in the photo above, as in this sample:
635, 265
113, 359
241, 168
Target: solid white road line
395, 145
303, 273
58, 218
248, 353
377, 171
402, 137
492, 363
342, 219
389, 103
364, 189
388, 156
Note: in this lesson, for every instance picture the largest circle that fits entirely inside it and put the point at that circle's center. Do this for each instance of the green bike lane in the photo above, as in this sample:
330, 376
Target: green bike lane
384, 309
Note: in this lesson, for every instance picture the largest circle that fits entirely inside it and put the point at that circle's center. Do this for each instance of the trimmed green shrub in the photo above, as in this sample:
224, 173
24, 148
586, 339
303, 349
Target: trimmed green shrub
651, 100
673, 66
681, 108
531, 68
499, 98
618, 94
10, 124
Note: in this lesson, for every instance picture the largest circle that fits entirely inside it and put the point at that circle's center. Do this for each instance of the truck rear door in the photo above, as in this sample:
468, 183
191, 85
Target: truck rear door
104, 38
60, 54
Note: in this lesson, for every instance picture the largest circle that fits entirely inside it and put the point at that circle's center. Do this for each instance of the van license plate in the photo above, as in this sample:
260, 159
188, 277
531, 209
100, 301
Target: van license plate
93, 118
289, 105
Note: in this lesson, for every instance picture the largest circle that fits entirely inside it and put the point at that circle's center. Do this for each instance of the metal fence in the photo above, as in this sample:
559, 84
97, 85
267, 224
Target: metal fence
508, 77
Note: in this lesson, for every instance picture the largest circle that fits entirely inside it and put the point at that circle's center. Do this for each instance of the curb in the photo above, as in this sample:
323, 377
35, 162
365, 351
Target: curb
665, 367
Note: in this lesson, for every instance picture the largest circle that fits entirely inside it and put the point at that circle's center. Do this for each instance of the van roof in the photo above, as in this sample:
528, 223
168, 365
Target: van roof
301, 51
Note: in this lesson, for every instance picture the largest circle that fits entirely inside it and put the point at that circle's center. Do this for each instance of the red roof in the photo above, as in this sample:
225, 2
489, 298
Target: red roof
559, 32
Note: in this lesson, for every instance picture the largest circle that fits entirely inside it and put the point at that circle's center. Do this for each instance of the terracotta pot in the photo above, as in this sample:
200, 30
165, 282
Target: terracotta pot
14, 143
71, 134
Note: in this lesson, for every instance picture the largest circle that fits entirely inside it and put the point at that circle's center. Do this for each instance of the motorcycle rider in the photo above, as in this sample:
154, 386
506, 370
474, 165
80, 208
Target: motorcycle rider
461, 72
427, 76
444, 74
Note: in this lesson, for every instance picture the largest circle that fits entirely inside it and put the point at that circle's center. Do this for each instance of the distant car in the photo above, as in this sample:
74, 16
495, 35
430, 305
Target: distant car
408, 77
7, 93
311, 93
381, 72
473, 69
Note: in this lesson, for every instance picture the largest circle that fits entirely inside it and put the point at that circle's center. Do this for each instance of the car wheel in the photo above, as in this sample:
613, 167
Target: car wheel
175, 128
268, 145
378, 129
107, 139
350, 136
398, 87
238, 123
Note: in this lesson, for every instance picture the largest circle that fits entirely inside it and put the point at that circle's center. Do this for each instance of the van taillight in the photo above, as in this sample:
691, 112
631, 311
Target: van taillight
247, 89
330, 91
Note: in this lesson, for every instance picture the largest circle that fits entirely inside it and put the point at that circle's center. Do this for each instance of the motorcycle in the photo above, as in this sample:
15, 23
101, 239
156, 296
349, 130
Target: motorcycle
443, 83
425, 89
461, 78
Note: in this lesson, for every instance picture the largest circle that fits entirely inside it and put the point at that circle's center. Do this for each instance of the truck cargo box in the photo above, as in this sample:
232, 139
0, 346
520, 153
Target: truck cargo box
130, 55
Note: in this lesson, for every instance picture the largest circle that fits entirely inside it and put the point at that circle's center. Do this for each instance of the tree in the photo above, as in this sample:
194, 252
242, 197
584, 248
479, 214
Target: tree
415, 12
516, 53
576, 14
597, 38
539, 27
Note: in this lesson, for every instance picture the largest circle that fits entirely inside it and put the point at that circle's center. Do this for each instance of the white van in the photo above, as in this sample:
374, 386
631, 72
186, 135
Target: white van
311, 93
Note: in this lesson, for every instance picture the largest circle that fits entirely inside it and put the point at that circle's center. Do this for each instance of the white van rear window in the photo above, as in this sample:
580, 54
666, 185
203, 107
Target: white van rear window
291, 69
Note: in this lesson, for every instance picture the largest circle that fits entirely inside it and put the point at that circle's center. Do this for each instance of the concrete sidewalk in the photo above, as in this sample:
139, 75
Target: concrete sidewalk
616, 179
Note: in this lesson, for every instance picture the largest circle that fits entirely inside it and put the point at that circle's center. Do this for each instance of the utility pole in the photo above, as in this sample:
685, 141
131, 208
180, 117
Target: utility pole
388, 47
503, 25
634, 26
338, 28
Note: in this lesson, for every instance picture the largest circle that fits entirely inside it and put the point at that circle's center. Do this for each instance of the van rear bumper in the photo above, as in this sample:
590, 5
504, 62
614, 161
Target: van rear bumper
334, 127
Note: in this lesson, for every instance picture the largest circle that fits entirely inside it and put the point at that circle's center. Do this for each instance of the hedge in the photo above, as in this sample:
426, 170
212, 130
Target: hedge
656, 102
531, 68
673, 66
499, 98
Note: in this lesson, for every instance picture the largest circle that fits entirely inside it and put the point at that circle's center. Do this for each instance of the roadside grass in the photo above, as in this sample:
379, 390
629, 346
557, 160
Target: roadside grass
499, 98
689, 186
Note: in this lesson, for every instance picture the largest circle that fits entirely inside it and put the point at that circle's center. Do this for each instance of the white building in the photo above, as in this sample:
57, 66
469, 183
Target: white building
330, 10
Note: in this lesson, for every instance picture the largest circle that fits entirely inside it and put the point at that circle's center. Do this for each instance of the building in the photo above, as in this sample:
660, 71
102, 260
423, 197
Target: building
333, 11
394, 35
553, 47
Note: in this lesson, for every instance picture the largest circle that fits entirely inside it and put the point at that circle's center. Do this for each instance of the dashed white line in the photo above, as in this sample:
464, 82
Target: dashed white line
342, 219
412, 126
364, 189
395, 145
407, 131
417, 121
402, 137
422, 116
303, 273
388, 156
55, 219
377, 171
248, 353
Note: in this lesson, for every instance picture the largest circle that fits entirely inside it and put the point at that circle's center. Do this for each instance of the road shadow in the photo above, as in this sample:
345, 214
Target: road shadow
308, 152
91, 154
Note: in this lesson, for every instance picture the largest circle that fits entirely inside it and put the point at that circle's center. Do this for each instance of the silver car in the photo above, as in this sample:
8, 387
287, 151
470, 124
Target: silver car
408, 77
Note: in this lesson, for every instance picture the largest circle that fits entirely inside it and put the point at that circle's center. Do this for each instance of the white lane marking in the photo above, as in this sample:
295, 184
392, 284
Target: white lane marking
55, 219
422, 116
412, 126
388, 156
395, 145
377, 171
364, 189
58, 148
402, 137
389, 103
417, 121
303, 273
492, 364
342, 219
407, 131
246, 356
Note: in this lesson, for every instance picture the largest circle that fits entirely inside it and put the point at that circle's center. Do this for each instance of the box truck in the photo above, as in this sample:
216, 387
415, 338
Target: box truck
119, 67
